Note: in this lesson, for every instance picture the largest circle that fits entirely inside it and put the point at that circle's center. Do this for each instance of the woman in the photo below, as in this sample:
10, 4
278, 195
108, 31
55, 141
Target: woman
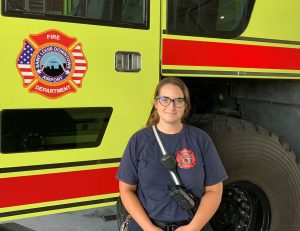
144, 182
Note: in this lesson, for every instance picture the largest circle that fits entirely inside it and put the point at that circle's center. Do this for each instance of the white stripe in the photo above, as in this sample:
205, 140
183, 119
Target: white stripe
78, 75
27, 80
80, 61
80, 68
77, 54
23, 65
77, 81
27, 73
77, 47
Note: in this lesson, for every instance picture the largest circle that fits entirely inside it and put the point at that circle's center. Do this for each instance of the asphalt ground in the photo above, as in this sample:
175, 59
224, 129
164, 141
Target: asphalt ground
100, 219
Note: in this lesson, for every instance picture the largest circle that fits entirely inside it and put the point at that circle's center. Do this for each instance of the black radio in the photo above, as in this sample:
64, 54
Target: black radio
184, 198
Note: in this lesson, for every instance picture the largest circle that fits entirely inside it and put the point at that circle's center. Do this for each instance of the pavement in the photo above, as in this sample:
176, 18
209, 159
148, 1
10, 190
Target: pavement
100, 219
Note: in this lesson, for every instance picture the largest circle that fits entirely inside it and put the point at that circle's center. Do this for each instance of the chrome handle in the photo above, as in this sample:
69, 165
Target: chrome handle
128, 61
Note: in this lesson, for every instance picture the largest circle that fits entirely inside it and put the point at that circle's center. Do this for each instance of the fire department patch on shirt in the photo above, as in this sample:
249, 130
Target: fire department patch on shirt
51, 64
185, 159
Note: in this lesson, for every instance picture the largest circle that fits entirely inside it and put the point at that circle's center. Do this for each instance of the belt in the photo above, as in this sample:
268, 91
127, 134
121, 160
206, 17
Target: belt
169, 226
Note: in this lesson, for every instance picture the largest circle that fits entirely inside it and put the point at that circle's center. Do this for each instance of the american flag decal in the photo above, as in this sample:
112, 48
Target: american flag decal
51, 65
80, 65
23, 63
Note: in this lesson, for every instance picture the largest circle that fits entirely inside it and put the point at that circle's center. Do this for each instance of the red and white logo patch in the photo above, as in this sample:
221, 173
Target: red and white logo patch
185, 159
51, 64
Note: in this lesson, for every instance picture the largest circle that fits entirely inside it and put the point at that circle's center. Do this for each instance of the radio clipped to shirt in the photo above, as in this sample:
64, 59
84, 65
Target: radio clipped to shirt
183, 197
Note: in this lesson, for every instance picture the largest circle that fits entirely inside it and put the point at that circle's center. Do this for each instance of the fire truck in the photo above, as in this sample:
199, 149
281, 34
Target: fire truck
77, 81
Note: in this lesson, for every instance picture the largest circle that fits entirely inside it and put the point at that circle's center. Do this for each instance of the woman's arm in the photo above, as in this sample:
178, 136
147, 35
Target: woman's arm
207, 208
135, 208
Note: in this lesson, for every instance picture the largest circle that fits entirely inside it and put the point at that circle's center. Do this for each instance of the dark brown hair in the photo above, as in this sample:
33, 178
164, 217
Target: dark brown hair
154, 117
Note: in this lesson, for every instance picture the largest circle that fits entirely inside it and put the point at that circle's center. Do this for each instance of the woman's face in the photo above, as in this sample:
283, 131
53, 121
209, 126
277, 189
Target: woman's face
170, 114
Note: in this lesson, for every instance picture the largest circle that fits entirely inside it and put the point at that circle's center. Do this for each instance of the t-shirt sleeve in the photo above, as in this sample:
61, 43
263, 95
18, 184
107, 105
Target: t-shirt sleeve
214, 169
127, 171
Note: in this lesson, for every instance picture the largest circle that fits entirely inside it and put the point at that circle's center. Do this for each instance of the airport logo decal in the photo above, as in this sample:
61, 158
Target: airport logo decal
51, 65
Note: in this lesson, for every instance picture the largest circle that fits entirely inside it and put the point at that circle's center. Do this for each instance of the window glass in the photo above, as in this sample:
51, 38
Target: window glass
52, 129
115, 12
212, 18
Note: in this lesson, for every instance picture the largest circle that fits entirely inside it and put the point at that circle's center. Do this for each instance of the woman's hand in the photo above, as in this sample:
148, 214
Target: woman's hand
186, 228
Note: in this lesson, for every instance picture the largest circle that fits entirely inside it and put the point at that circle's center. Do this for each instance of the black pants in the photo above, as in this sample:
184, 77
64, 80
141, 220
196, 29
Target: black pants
133, 226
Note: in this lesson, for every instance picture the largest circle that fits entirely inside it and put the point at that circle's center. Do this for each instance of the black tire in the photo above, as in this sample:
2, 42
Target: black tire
263, 189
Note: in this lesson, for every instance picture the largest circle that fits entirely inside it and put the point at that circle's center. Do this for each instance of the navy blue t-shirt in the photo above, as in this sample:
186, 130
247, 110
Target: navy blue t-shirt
198, 163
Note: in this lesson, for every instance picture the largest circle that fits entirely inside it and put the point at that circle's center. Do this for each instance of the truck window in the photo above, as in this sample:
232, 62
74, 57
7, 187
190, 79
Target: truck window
209, 18
52, 129
124, 13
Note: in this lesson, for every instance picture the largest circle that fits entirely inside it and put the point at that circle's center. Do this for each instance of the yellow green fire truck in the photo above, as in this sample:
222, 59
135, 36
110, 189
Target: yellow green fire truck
77, 79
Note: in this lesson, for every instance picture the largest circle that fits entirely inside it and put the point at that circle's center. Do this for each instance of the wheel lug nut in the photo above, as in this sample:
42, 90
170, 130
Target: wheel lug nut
242, 212
243, 198
244, 205
246, 216
238, 199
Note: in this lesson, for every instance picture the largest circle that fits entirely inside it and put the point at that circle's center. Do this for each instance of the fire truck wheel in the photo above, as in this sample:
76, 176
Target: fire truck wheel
263, 189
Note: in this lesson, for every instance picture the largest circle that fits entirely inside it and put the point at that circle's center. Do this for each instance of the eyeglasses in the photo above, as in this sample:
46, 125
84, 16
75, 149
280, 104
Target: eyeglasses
165, 101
